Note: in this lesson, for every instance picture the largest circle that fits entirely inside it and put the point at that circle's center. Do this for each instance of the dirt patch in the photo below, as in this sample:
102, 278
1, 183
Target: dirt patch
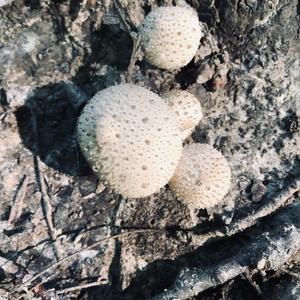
54, 56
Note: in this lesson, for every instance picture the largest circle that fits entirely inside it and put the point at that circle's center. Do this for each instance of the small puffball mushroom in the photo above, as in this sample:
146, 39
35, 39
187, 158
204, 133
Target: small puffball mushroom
187, 109
170, 36
202, 177
131, 139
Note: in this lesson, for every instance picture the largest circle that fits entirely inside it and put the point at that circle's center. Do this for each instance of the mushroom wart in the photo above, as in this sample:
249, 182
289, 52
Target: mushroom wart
202, 177
130, 138
170, 36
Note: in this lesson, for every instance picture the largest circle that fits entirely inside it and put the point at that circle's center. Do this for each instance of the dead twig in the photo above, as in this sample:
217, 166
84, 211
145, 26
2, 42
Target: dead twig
267, 209
291, 273
96, 244
225, 290
79, 287
46, 202
40, 178
231, 230
268, 250
118, 7
253, 283
18, 201
136, 49
43, 282
241, 224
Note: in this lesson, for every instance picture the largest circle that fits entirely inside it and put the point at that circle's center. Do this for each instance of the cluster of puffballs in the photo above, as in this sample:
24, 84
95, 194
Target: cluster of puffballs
133, 138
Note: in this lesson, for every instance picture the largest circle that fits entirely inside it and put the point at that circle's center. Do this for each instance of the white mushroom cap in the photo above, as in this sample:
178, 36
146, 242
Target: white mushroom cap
131, 139
170, 36
187, 109
202, 177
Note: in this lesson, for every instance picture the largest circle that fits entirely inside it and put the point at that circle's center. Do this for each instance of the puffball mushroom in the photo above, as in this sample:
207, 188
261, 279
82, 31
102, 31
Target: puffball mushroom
170, 36
202, 177
130, 138
187, 109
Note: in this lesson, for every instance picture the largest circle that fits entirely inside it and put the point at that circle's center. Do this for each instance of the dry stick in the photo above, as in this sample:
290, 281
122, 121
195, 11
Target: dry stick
200, 281
46, 204
274, 247
18, 204
136, 42
270, 207
265, 210
47, 279
121, 15
29, 281
134, 57
28, 294
212, 6
253, 283
291, 273
40, 178
79, 287
225, 290
233, 228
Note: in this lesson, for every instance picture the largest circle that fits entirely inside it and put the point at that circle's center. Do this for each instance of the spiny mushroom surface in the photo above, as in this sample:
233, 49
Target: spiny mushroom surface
170, 36
187, 109
131, 139
202, 177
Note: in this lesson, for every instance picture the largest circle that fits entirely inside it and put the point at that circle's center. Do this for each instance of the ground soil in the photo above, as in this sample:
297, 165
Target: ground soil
54, 56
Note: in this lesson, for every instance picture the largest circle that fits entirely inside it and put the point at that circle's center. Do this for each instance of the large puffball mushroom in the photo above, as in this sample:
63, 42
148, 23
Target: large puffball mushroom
170, 36
187, 109
202, 177
131, 139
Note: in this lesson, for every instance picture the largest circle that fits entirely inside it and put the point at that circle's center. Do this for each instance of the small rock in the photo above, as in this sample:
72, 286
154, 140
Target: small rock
8, 266
227, 217
206, 74
88, 185
100, 188
261, 264
207, 47
258, 191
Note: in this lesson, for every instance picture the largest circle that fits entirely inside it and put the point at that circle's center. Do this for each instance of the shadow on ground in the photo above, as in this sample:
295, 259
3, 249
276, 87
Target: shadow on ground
47, 121
47, 126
